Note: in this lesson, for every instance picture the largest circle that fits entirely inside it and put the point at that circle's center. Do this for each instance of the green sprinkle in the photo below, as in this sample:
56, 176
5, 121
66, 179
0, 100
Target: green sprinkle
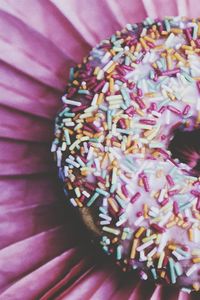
119, 252
111, 230
102, 192
92, 199
172, 271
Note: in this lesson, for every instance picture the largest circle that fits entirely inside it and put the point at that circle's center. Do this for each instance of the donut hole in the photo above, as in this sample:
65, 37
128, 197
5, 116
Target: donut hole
185, 146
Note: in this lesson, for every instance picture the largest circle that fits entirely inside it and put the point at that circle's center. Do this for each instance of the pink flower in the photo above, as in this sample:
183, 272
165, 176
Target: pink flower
45, 253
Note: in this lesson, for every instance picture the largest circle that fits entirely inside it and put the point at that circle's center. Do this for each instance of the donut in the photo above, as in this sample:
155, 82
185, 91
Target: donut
127, 150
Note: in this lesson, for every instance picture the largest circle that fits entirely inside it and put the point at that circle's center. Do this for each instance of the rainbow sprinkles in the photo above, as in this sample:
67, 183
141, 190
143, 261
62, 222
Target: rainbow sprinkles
111, 147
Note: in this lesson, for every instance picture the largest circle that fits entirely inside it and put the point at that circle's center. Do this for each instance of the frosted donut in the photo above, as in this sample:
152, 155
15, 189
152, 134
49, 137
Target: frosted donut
121, 112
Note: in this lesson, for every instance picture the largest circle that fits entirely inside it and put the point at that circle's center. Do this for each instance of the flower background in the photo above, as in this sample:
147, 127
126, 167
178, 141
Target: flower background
45, 252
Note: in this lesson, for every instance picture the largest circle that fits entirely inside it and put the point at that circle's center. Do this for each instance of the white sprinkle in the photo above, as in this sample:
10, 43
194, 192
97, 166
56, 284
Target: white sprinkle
145, 245
139, 220
165, 218
169, 40
73, 202
191, 270
105, 87
106, 57
152, 252
103, 216
94, 100
71, 102
163, 242
53, 147
86, 194
90, 153
161, 196
108, 65
59, 157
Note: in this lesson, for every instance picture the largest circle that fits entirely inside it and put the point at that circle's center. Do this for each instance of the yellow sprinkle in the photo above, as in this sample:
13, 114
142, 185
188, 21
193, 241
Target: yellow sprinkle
192, 43
188, 52
159, 47
148, 39
133, 249
196, 260
161, 258
164, 32
111, 86
196, 286
162, 274
149, 238
190, 232
112, 52
96, 70
113, 204
140, 112
75, 82
145, 209
172, 247
111, 68
139, 232
169, 62
170, 224
176, 30
100, 98
186, 47
179, 57
144, 45
138, 47
78, 203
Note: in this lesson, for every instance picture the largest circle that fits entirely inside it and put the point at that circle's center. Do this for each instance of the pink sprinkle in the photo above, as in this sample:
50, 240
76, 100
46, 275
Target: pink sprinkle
151, 45
130, 111
101, 179
131, 85
174, 110
198, 204
146, 183
148, 122
99, 86
162, 109
140, 102
186, 109
90, 186
170, 180
195, 193
128, 68
170, 72
173, 192
139, 214
82, 198
157, 228
120, 70
163, 137
188, 34
135, 197
94, 127
71, 92
175, 208
197, 43
164, 202
198, 85
83, 159
79, 108
160, 26
124, 190
85, 127
122, 123
163, 152
139, 92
